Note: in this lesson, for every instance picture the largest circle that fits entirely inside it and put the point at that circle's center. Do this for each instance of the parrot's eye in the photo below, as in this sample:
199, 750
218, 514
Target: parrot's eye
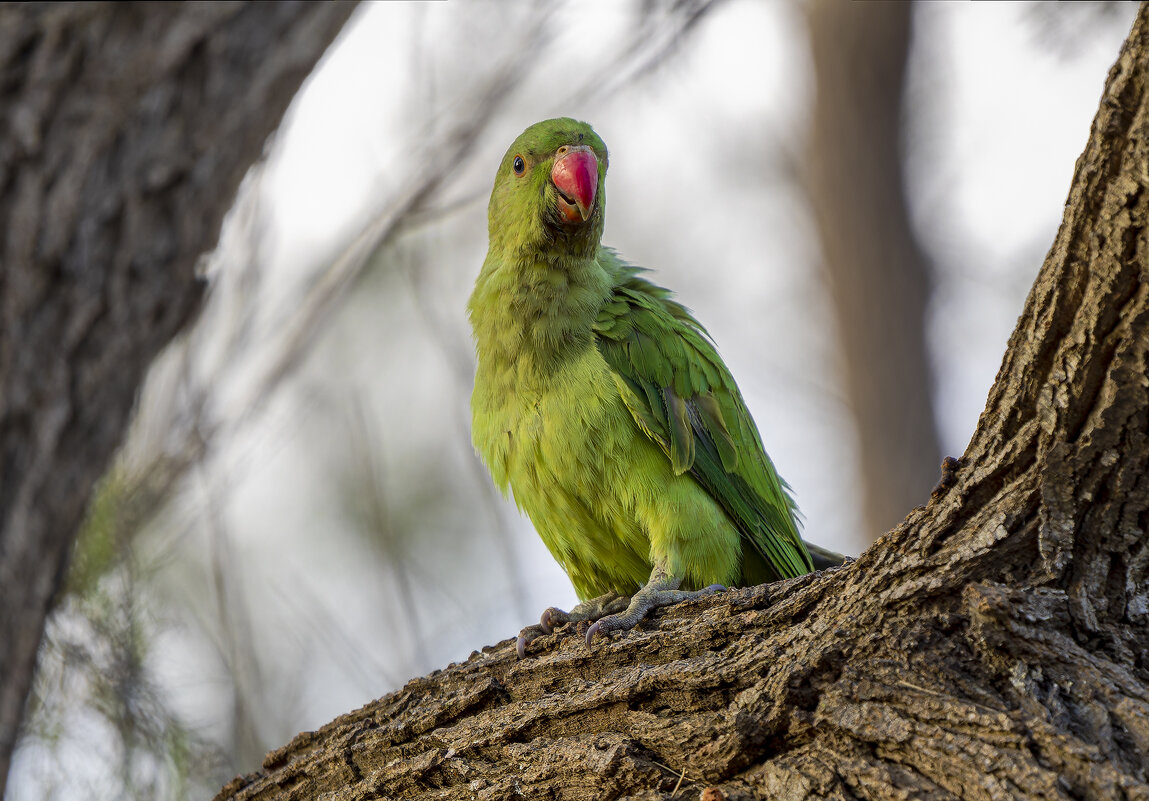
519, 165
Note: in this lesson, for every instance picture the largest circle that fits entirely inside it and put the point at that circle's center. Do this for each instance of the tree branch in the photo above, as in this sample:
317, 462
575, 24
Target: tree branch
127, 129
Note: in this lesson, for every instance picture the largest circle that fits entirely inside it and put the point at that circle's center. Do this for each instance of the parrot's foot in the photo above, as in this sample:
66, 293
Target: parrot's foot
587, 610
552, 618
652, 596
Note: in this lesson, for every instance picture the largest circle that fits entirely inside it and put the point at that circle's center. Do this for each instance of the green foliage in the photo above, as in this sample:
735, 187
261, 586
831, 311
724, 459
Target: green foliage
97, 548
94, 674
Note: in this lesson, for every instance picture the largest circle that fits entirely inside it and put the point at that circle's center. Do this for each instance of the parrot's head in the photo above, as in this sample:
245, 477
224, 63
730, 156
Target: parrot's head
549, 194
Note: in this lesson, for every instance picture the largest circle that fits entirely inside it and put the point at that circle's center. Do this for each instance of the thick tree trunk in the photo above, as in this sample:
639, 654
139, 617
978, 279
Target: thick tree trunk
878, 275
124, 133
995, 645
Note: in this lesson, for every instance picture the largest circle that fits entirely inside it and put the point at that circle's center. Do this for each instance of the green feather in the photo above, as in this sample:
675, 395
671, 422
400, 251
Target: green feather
681, 434
710, 418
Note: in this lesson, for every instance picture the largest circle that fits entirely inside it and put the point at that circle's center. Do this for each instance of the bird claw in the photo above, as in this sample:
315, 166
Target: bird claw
610, 612
592, 630
552, 618
526, 637
628, 618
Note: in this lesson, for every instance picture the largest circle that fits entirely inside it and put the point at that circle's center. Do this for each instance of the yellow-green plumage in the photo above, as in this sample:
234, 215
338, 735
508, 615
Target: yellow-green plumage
603, 406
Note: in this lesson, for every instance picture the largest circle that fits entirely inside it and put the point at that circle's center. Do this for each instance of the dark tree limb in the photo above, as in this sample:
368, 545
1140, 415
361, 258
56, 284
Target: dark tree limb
995, 645
878, 275
124, 133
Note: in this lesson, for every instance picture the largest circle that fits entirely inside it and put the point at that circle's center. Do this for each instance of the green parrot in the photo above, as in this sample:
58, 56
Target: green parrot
605, 409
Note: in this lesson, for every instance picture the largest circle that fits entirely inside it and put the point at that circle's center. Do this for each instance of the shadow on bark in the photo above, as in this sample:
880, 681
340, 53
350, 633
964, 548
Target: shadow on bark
994, 645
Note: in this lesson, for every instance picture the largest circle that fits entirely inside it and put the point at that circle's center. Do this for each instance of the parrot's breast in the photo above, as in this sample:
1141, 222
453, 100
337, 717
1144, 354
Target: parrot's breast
550, 423
577, 464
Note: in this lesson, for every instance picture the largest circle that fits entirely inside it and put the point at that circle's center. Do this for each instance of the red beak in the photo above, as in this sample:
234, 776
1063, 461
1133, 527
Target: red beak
575, 175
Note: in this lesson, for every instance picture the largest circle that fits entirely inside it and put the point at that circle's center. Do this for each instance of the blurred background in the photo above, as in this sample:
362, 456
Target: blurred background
854, 198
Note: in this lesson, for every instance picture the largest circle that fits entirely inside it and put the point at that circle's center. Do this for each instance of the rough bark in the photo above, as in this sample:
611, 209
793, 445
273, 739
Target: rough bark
124, 133
877, 273
994, 645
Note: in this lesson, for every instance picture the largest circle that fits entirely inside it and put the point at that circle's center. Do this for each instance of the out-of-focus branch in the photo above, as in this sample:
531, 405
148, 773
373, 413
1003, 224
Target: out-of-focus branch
878, 275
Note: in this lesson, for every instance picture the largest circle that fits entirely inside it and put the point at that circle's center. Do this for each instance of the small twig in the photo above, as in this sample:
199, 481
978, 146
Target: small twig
681, 776
909, 686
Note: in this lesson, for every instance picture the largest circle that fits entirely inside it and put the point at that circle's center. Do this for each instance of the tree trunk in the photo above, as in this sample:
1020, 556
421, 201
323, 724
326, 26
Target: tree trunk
878, 275
124, 135
995, 645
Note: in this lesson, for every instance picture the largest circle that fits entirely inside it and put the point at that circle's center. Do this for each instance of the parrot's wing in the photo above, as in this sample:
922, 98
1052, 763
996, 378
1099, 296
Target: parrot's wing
682, 396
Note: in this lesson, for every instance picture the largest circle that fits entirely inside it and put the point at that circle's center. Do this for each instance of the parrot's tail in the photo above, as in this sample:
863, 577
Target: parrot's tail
824, 558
